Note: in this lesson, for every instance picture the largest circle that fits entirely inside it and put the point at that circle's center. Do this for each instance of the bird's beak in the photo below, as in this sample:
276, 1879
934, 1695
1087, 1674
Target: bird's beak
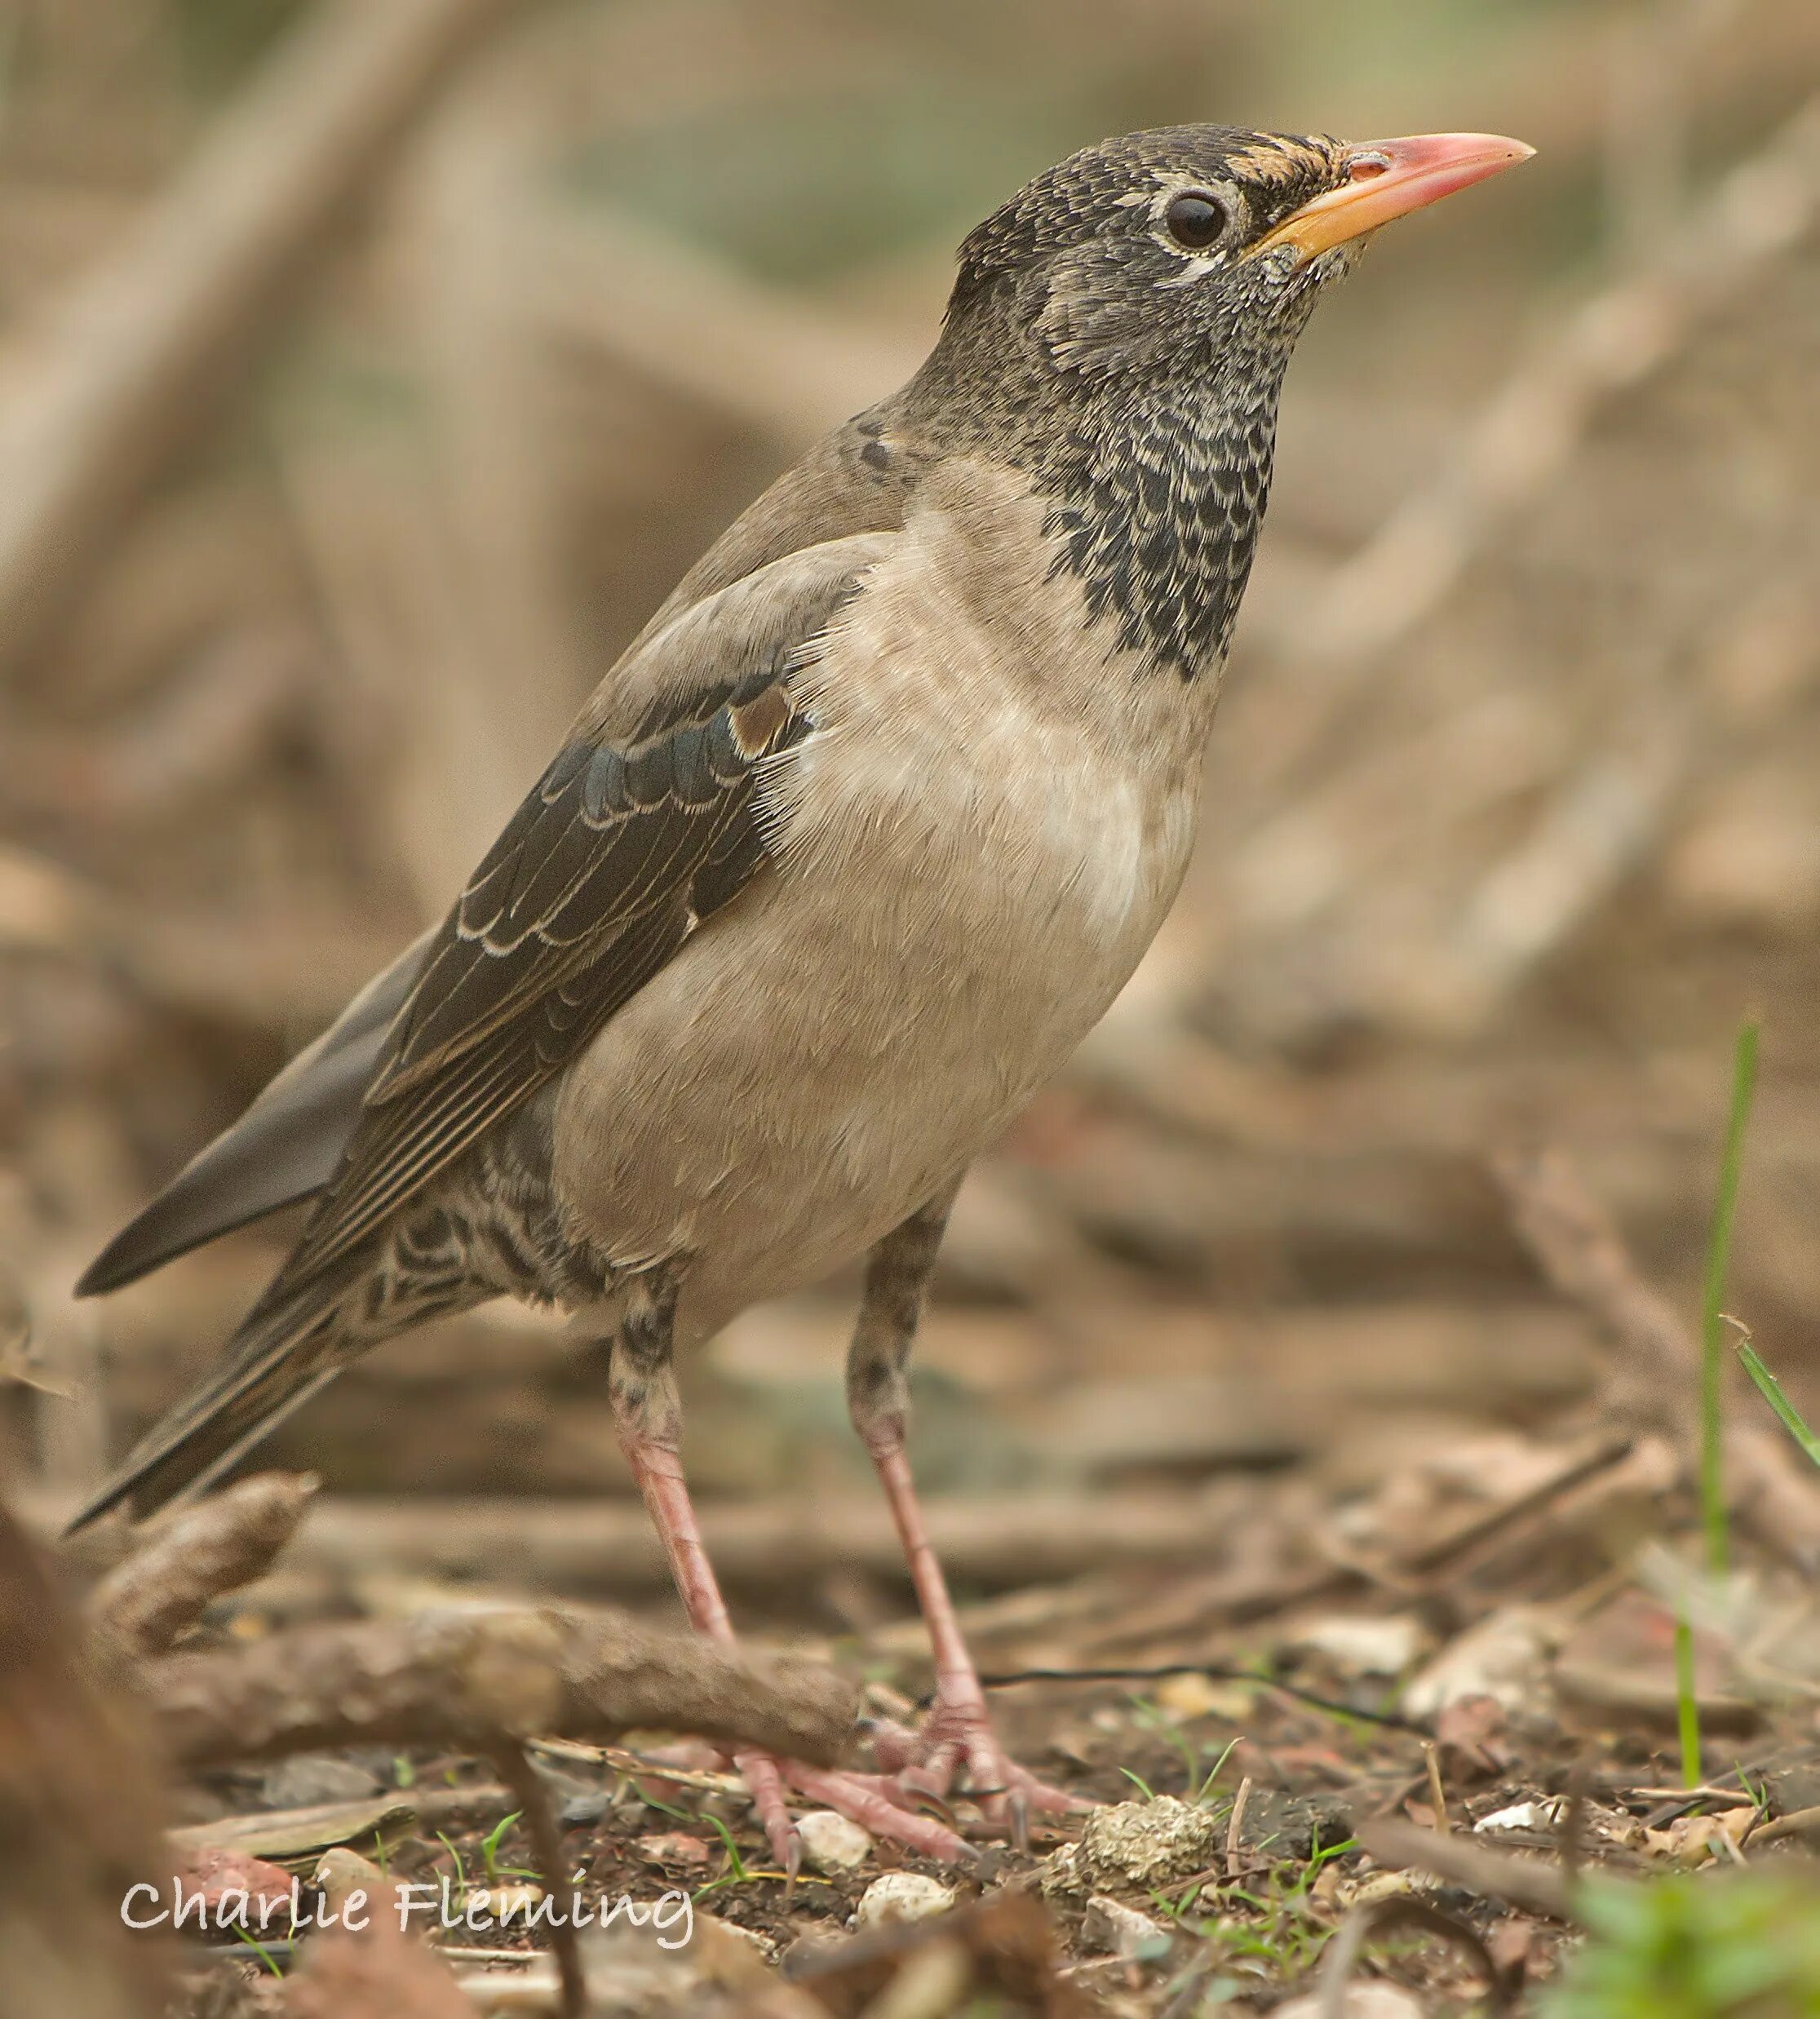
1387, 178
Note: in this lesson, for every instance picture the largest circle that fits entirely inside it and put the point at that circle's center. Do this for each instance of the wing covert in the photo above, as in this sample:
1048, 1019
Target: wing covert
609, 865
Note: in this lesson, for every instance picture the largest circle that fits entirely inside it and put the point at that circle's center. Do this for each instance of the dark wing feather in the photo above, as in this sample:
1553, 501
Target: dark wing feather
606, 868
627, 843
586, 896
628, 838
285, 1149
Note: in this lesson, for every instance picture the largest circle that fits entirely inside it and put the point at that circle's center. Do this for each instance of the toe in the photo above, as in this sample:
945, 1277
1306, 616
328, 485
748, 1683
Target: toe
862, 1799
762, 1776
1009, 1796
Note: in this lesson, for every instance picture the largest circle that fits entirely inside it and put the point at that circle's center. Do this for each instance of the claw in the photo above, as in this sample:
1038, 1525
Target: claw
908, 1804
762, 1777
863, 1802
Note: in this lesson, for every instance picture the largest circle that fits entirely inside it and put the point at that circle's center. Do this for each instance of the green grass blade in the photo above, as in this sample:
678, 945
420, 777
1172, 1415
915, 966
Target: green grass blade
259, 1949
1713, 1322
1770, 1389
1687, 1703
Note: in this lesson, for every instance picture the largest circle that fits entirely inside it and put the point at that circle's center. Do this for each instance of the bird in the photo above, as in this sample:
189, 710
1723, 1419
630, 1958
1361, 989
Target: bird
848, 850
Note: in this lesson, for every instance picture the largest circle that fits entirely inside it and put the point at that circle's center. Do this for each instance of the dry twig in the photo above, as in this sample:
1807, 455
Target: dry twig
1383, 1917
180, 1565
581, 1545
486, 1680
540, 1826
1651, 1379
1524, 1882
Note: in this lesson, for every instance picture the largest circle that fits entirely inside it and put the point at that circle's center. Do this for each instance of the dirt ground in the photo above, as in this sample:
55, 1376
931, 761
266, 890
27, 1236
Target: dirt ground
1309, 1409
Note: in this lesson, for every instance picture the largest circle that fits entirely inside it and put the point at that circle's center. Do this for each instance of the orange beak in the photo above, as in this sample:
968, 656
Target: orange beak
1388, 178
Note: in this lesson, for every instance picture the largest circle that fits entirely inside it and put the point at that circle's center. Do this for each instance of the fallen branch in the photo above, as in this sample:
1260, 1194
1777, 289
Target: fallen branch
1798, 1822
1191, 1606
586, 1546
486, 1680
180, 1565
1522, 1882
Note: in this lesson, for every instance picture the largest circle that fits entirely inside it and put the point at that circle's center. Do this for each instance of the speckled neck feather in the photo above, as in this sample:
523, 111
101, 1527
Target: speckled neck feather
1158, 495
1154, 451
1160, 519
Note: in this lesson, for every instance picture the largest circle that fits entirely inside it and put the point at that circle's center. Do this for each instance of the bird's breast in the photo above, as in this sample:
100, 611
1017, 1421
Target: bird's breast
973, 846
970, 718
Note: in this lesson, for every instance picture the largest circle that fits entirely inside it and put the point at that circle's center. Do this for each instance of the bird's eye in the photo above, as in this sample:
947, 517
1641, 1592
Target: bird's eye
1194, 220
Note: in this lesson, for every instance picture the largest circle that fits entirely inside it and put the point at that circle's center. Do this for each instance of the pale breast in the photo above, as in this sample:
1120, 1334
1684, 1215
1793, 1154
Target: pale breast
974, 847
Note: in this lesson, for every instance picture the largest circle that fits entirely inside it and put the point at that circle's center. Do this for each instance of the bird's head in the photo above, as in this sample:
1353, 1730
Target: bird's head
1119, 330
1159, 253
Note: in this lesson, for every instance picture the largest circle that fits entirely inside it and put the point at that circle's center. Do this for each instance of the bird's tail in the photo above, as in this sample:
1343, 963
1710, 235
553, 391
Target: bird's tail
287, 1348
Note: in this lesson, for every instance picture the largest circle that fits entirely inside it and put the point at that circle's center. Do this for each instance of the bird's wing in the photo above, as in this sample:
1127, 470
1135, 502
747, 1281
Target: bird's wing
627, 843
285, 1149
759, 590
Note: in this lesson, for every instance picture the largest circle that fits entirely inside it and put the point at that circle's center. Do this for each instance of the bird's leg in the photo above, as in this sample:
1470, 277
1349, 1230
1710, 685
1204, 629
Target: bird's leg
957, 1732
647, 1414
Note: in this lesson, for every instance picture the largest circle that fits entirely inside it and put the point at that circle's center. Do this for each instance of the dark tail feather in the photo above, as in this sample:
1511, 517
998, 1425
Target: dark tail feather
277, 1360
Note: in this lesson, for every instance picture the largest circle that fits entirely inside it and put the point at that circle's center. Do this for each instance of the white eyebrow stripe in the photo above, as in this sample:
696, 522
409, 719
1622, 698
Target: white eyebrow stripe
1193, 270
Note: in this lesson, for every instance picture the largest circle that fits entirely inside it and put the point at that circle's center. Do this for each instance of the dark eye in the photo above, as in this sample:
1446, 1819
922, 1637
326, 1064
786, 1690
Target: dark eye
1195, 220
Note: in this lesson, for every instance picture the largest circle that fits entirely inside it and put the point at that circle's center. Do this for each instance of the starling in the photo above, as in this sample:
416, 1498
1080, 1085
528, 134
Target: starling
845, 855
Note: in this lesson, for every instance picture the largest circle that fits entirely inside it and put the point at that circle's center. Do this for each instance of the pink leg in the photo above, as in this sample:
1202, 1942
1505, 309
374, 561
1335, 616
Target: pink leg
659, 1473
658, 1468
957, 1732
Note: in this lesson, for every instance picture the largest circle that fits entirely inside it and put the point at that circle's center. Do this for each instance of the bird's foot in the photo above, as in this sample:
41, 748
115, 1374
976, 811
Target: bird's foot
958, 1744
906, 1802
872, 1801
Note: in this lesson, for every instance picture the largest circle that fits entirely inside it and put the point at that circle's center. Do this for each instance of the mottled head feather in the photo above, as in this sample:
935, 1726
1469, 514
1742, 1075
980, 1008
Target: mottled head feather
1100, 196
1136, 379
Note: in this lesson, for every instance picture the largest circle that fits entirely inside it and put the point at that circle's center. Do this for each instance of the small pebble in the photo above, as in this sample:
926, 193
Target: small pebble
580, 1810
216, 1872
1367, 1998
1377, 1886
675, 1847
311, 1779
762, 1945
340, 1872
505, 1903
1504, 1657
1118, 1930
1368, 1647
902, 1896
1544, 1815
1193, 1695
832, 1843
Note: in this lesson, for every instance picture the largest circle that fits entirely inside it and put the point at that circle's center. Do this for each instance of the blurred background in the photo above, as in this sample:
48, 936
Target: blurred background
355, 358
